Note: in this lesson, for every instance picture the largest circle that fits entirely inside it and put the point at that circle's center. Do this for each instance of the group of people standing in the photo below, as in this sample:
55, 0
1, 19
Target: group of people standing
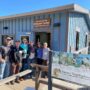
17, 56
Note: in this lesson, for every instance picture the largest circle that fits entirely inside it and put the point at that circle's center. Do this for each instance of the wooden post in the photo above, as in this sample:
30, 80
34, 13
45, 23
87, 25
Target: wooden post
37, 78
49, 71
38, 69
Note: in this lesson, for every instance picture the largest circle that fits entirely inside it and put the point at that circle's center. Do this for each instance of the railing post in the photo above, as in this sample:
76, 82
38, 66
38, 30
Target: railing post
37, 78
49, 71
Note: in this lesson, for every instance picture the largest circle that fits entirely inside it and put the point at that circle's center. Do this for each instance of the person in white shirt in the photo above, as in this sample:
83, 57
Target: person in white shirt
45, 56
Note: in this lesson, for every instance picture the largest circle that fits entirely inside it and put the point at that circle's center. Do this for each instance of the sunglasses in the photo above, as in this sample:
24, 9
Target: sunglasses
8, 39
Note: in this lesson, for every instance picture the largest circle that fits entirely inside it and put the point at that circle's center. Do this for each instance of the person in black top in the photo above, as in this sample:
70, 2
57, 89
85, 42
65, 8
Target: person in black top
14, 57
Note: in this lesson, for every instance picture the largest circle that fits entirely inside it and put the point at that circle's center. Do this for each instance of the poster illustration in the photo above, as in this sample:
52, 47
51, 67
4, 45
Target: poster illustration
71, 67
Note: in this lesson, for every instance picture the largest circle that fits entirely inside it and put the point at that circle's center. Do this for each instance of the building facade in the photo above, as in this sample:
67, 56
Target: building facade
64, 28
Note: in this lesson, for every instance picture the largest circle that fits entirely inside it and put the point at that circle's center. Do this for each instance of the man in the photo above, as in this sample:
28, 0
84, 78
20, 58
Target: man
6, 47
14, 58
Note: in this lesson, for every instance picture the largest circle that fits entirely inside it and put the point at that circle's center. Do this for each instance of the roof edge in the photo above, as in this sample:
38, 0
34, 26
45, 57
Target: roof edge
81, 9
70, 7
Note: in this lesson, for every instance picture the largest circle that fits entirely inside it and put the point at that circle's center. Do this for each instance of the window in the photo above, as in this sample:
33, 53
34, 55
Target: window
85, 40
77, 40
27, 37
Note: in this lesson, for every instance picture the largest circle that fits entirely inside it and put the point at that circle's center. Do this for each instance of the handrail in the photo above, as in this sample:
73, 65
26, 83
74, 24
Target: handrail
82, 51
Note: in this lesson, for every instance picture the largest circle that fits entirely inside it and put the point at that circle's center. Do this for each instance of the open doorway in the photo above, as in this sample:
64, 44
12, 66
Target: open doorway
43, 37
24, 36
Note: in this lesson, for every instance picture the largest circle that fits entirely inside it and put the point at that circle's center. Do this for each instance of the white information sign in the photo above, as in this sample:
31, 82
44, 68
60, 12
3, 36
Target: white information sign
71, 67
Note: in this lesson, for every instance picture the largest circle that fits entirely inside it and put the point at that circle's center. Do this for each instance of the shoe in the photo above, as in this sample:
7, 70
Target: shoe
21, 79
12, 82
29, 77
8, 83
17, 81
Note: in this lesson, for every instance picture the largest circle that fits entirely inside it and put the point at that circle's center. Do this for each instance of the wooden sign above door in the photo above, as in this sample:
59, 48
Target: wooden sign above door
41, 23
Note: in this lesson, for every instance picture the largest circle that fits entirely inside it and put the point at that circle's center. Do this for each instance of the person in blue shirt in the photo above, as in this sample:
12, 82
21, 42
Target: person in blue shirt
39, 53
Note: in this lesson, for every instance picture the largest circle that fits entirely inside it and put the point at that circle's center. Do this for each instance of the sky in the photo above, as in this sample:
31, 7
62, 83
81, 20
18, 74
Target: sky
11, 7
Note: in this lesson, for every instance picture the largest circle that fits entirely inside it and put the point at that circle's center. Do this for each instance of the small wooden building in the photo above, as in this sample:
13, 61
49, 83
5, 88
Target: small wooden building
64, 28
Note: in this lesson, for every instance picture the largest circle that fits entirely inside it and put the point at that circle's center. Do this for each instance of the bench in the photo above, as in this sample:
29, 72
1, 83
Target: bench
13, 77
63, 85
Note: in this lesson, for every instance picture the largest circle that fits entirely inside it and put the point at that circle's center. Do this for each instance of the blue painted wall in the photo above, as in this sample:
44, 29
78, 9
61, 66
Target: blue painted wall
59, 33
19, 34
63, 32
59, 40
77, 21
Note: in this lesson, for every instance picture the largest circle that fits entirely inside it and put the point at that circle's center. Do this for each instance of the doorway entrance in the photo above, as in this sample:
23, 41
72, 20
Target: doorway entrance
43, 37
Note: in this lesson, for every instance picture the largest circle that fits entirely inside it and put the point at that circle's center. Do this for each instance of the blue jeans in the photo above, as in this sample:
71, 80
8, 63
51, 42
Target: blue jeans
2, 68
7, 69
30, 61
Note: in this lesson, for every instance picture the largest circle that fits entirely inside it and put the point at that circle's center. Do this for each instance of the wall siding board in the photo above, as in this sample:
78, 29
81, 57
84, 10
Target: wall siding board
22, 25
14, 27
63, 32
77, 20
55, 34
28, 24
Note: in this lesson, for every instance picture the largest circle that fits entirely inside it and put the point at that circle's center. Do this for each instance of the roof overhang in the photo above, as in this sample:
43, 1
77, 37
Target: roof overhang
71, 7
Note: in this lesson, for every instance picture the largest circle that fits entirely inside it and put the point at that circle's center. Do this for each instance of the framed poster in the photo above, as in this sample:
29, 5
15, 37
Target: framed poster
71, 67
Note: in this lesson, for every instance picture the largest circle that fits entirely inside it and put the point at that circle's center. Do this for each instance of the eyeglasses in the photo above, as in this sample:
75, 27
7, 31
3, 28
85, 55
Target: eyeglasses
8, 39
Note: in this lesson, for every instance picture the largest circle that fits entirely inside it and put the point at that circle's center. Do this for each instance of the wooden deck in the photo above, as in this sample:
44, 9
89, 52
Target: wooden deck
38, 83
28, 84
23, 85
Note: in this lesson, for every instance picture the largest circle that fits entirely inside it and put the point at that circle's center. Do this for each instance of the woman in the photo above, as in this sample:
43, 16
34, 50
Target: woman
2, 62
24, 49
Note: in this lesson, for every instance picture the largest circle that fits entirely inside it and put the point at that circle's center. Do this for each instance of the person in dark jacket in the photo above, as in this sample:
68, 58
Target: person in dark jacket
6, 47
14, 57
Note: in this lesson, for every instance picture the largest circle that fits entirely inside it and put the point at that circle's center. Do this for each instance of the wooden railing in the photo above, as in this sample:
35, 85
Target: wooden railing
37, 74
60, 84
82, 51
13, 77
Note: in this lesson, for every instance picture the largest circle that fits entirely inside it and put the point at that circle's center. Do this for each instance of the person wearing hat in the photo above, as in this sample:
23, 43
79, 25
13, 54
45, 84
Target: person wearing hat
14, 58
6, 47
